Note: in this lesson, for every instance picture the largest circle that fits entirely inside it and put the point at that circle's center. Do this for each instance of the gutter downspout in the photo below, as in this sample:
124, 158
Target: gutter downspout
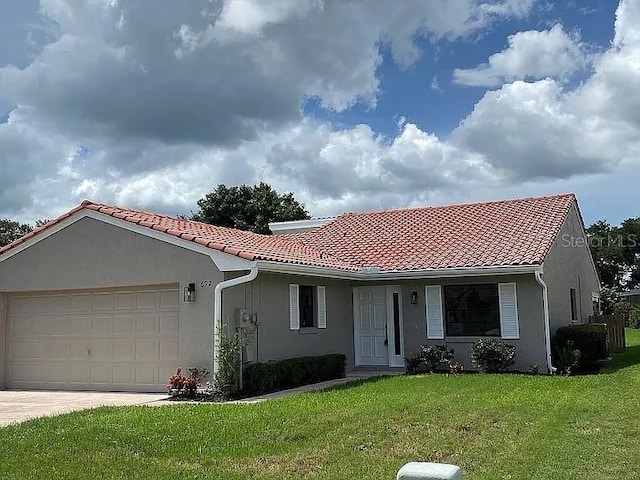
217, 309
547, 328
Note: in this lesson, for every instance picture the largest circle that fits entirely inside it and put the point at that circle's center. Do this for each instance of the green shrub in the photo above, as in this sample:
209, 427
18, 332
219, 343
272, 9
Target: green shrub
263, 378
590, 340
227, 378
492, 355
412, 362
435, 355
566, 358
633, 320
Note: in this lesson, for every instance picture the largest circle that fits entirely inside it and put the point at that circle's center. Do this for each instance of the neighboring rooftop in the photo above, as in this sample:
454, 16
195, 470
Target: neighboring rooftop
501, 233
631, 293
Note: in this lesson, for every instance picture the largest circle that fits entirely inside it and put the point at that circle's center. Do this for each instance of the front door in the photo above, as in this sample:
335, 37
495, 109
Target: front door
370, 326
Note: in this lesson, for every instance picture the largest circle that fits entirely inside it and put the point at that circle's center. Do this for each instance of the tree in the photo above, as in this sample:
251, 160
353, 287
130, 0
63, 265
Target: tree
606, 253
11, 230
616, 252
248, 207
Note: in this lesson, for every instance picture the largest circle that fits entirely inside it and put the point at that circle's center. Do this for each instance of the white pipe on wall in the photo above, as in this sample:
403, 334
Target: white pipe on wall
217, 309
547, 327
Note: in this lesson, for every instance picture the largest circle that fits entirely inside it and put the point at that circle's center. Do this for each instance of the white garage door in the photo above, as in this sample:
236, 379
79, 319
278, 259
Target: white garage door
117, 340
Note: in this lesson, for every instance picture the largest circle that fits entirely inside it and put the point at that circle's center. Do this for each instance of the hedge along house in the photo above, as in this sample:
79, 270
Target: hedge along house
106, 298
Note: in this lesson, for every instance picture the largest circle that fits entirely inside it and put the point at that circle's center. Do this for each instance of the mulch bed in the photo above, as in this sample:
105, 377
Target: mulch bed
213, 397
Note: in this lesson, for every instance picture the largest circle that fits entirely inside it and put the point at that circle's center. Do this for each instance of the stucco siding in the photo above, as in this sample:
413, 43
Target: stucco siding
530, 346
268, 298
90, 254
3, 329
569, 265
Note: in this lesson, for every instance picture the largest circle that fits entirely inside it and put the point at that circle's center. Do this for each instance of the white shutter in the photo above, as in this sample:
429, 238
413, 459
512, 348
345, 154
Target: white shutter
508, 311
435, 317
322, 307
294, 307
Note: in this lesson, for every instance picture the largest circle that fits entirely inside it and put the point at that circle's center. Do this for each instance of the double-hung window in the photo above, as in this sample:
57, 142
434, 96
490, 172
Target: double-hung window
307, 306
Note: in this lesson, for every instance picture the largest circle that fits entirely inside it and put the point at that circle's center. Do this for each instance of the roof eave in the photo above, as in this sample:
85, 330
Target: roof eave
225, 262
315, 271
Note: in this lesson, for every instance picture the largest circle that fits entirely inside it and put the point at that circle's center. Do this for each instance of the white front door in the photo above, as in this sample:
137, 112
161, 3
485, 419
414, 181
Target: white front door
370, 326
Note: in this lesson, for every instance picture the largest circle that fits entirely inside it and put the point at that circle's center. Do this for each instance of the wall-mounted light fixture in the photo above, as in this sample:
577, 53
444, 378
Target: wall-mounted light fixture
414, 298
190, 293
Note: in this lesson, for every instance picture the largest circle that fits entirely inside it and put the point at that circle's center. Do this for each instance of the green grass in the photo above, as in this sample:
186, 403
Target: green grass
493, 426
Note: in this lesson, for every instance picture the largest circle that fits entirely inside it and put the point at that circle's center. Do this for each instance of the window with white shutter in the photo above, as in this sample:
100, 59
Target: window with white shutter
294, 307
307, 307
322, 306
435, 318
509, 324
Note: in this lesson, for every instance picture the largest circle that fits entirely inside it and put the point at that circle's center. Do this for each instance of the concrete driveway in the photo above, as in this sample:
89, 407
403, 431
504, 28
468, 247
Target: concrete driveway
18, 406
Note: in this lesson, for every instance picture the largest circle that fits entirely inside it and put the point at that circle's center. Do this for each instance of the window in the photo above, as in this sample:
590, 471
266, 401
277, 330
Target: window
397, 347
306, 302
574, 305
307, 306
472, 310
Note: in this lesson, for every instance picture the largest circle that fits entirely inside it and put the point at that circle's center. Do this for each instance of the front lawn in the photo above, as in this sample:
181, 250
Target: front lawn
494, 426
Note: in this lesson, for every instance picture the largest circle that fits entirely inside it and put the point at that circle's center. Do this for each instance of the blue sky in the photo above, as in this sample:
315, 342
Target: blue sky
409, 92
352, 105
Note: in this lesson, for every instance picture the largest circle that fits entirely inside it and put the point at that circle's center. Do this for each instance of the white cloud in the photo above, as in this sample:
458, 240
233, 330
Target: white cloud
627, 32
109, 111
530, 55
195, 89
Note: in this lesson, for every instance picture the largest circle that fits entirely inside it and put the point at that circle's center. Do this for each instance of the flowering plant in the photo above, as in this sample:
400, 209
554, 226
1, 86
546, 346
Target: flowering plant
176, 381
177, 384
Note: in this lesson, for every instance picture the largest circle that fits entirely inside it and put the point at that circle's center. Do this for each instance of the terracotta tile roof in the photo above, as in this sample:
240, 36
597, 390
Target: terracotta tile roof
510, 232
248, 245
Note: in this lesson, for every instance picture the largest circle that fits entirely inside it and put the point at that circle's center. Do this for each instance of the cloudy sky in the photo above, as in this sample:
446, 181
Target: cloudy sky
351, 104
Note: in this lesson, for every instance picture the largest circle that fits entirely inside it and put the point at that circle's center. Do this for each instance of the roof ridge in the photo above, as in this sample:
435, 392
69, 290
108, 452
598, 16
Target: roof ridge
89, 203
463, 204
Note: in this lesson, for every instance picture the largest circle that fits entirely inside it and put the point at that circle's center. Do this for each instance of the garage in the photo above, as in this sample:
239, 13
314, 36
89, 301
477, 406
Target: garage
117, 339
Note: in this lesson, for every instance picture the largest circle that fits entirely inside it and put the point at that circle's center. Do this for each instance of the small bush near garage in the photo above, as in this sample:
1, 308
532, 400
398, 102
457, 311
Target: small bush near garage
590, 340
263, 378
227, 378
187, 387
492, 356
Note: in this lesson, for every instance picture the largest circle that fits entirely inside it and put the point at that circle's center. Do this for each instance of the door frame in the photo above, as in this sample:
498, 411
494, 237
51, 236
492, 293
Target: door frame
393, 360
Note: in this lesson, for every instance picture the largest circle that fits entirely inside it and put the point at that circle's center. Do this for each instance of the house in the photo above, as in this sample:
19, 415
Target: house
108, 298
632, 296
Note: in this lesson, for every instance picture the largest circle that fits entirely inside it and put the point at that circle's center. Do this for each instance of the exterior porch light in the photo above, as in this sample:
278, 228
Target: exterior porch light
414, 298
190, 293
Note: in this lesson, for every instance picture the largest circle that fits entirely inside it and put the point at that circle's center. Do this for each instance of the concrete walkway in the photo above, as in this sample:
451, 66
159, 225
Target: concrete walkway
21, 405
315, 387
351, 377
18, 405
